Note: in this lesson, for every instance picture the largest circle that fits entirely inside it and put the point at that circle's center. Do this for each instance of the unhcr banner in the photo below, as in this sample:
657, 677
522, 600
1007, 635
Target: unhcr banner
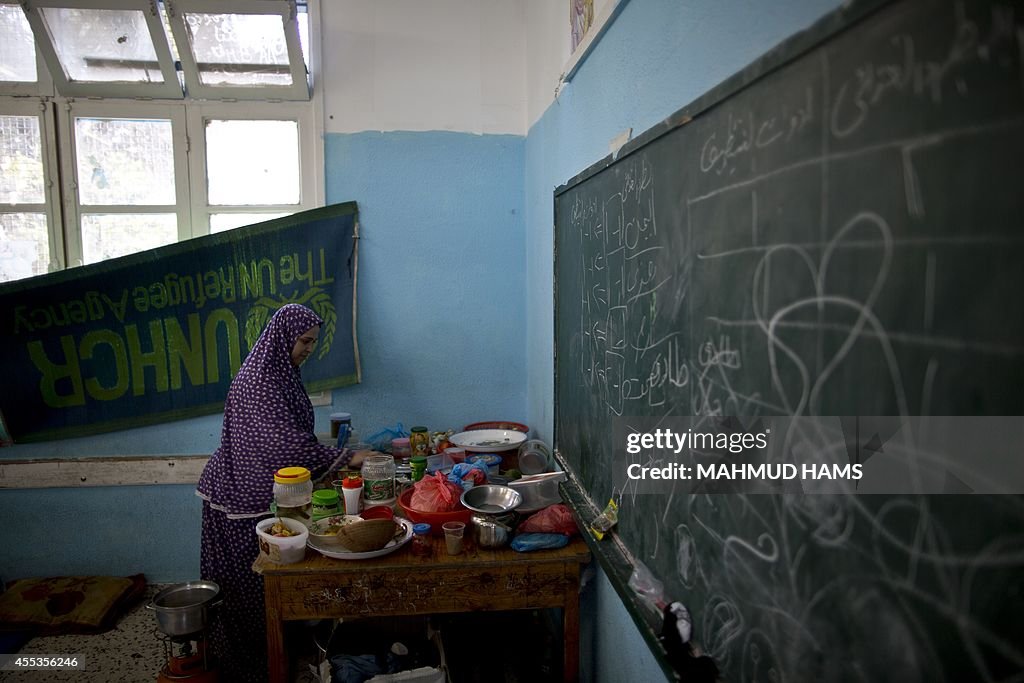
159, 335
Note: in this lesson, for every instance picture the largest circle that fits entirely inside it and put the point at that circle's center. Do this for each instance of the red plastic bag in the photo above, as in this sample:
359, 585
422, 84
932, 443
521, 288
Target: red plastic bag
435, 494
554, 519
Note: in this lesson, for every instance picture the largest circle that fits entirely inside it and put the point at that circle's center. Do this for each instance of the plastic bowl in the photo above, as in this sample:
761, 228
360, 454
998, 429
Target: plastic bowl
434, 519
514, 426
282, 549
377, 512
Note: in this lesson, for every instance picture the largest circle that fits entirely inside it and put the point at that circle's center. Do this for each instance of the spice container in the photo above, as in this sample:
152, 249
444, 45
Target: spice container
419, 441
352, 486
421, 543
325, 503
293, 493
379, 480
400, 449
418, 463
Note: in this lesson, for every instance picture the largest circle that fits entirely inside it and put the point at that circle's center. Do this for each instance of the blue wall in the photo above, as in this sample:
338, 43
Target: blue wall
656, 57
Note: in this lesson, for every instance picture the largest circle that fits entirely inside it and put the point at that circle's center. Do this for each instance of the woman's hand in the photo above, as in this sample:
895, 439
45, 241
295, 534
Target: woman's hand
359, 456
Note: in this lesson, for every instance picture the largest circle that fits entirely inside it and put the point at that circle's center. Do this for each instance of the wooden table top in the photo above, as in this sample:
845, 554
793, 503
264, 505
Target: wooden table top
403, 560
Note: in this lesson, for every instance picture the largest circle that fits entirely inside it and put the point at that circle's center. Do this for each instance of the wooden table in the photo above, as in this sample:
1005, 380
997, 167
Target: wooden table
404, 584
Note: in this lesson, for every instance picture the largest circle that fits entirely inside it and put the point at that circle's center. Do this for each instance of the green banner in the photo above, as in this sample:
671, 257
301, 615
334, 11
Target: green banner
158, 335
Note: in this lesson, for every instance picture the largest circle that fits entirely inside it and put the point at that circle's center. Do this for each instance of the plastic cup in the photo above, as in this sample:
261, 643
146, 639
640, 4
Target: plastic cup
453, 533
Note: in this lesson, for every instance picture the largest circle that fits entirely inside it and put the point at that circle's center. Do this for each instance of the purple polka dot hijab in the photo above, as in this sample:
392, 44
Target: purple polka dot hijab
268, 422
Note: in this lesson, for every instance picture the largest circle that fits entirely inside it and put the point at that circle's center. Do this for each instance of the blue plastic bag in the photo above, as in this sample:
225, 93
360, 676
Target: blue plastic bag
524, 543
459, 472
381, 440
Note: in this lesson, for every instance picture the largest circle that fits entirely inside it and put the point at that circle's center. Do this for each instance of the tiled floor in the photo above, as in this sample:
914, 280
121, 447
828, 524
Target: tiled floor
133, 652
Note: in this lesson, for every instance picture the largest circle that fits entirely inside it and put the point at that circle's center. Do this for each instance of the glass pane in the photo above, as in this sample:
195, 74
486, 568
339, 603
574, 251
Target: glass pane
21, 160
17, 50
103, 45
124, 161
221, 222
239, 49
24, 245
252, 162
108, 235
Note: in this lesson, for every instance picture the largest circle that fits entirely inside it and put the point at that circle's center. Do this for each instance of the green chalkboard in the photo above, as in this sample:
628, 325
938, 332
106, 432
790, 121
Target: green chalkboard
835, 231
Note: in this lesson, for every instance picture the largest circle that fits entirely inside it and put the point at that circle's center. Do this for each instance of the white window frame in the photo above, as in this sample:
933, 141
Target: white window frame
170, 88
310, 181
42, 86
286, 9
69, 110
51, 191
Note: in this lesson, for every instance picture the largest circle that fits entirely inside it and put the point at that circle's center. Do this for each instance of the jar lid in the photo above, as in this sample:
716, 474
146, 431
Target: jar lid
418, 459
418, 429
421, 528
291, 475
325, 497
400, 442
341, 417
352, 482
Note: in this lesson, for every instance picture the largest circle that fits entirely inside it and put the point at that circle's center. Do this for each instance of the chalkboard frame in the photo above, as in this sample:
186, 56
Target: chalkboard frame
612, 554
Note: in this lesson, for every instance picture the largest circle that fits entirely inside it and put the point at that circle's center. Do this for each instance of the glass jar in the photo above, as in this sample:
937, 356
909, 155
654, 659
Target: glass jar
418, 465
378, 480
400, 449
326, 502
293, 493
421, 545
419, 441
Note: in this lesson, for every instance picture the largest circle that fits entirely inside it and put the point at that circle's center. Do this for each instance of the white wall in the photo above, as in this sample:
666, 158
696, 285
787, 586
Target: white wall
452, 65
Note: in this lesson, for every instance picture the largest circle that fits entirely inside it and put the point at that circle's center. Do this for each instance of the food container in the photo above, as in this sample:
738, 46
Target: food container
538, 490
325, 531
181, 609
434, 519
400, 449
534, 457
489, 532
282, 549
491, 499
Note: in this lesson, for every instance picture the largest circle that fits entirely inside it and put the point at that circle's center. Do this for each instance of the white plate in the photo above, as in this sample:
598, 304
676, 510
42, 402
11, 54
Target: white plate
340, 553
488, 440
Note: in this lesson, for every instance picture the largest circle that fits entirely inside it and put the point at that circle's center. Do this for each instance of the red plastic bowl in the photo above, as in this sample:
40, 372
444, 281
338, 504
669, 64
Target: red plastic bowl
434, 519
514, 426
377, 512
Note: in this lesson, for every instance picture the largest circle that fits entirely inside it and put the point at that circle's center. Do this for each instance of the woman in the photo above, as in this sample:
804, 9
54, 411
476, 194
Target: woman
268, 424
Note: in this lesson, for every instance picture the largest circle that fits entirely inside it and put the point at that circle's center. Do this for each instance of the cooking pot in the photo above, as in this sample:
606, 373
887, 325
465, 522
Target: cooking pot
491, 531
181, 609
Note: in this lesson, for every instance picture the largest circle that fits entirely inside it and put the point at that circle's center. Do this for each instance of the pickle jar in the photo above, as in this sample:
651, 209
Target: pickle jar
419, 441
378, 480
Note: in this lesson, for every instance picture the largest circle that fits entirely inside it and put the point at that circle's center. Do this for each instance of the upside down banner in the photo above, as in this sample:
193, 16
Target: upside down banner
159, 335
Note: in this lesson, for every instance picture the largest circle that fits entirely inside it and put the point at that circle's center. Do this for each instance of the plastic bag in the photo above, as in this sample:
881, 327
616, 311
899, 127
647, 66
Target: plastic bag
524, 543
435, 494
554, 519
381, 440
467, 475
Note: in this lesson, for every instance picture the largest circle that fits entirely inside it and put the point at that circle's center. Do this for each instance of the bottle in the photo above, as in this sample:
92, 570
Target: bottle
418, 463
421, 545
352, 485
293, 493
379, 480
325, 503
341, 428
419, 441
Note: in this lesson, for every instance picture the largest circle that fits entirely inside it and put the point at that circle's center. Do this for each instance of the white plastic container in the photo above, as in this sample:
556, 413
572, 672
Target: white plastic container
282, 549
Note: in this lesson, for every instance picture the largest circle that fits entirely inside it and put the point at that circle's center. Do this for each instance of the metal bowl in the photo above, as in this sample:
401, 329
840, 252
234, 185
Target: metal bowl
488, 532
181, 609
491, 499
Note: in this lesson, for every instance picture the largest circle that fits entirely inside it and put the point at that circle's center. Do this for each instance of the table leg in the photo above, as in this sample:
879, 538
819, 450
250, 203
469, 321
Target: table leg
571, 634
277, 658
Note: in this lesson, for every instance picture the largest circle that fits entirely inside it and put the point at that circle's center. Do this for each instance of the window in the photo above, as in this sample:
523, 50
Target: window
145, 161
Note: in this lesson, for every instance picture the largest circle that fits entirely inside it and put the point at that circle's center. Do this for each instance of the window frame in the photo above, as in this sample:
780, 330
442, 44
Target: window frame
170, 88
300, 88
51, 204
